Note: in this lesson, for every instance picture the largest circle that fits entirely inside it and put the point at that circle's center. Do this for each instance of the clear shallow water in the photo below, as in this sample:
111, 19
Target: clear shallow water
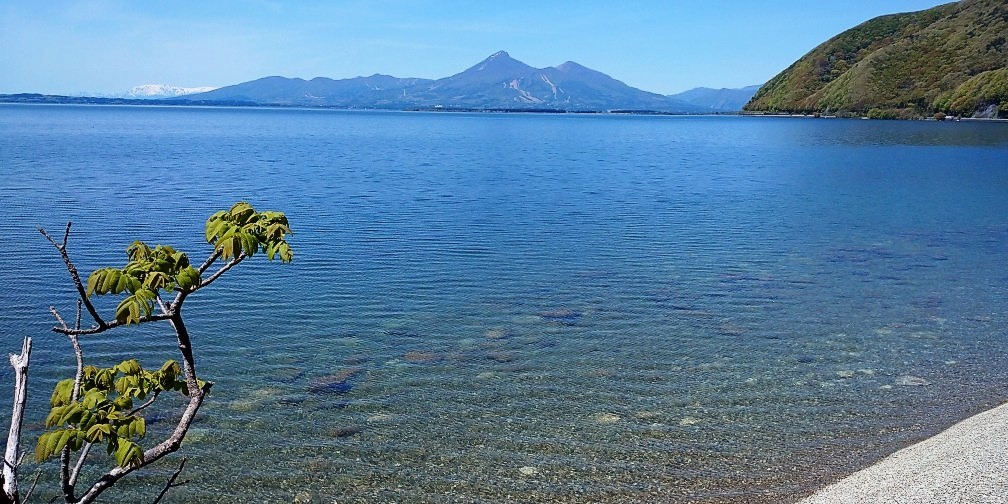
641, 308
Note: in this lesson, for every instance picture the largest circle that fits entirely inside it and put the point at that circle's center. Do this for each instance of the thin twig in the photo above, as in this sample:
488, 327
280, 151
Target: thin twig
80, 463
171, 482
144, 406
52, 309
161, 303
73, 272
223, 269
209, 261
111, 325
32, 487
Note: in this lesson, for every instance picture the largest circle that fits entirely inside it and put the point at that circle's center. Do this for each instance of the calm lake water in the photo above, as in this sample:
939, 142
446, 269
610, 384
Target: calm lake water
530, 308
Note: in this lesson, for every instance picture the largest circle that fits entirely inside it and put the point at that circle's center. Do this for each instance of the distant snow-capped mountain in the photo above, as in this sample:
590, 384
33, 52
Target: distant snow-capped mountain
163, 91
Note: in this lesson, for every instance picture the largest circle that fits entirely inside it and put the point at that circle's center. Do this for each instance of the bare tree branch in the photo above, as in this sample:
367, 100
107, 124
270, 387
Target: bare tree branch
32, 487
80, 463
110, 325
144, 406
52, 309
209, 261
73, 272
171, 482
241, 257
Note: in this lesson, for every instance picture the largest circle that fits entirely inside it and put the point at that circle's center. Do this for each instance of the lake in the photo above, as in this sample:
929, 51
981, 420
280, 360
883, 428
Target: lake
529, 308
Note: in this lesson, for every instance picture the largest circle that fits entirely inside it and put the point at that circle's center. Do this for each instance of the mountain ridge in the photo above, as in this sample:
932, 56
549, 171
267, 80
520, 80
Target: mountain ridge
497, 82
905, 65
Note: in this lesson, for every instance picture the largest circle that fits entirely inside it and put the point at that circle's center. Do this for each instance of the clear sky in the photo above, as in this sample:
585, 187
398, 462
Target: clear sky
663, 46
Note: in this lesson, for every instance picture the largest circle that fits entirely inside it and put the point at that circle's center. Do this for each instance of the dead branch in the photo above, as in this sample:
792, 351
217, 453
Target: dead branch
11, 457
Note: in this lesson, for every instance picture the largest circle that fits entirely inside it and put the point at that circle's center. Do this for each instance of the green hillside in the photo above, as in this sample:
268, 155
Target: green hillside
951, 59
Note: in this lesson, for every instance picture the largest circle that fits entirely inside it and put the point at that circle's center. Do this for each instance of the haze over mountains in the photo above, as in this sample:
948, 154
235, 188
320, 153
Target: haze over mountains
498, 82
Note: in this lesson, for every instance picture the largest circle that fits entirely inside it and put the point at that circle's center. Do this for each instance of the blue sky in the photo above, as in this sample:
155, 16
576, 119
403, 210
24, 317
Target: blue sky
106, 46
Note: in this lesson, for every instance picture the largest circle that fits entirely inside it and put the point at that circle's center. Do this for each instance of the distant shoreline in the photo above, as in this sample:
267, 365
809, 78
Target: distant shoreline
43, 99
814, 116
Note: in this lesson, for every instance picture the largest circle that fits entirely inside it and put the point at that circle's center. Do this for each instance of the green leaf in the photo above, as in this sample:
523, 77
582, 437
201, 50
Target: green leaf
61, 393
128, 454
138, 427
55, 415
135, 307
94, 398
110, 281
103, 379
138, 251
97, 432
51, 443
123, 403
241, 212
129, 367
46, 445
94, 280
188, 278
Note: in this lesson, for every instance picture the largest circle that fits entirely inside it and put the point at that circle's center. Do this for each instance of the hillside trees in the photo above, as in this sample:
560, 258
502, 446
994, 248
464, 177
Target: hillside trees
105, 407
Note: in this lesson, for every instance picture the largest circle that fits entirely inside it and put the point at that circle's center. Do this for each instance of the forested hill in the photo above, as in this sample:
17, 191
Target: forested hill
951, 59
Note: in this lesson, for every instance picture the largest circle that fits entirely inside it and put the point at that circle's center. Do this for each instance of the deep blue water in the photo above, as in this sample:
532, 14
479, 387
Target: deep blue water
633, 309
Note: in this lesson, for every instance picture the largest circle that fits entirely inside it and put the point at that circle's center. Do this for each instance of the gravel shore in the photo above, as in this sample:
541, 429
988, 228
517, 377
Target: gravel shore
968, 462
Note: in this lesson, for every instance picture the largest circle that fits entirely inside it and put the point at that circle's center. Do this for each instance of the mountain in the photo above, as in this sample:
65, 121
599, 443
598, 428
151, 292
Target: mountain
951, 59
718, 100
376, 91
498, 82
162, 91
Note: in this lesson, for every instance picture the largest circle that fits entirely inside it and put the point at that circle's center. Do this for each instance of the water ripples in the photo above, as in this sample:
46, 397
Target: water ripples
551, 308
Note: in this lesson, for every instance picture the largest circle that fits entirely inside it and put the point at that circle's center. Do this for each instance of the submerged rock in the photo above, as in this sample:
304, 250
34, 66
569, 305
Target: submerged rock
501, 356
911, 381
563, 316
422, 356
605, 418
528, 471
497, 333
338, 383
729, 329
346, 431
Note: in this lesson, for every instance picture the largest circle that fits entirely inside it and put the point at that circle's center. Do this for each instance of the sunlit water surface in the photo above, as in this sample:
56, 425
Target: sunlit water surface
529, 308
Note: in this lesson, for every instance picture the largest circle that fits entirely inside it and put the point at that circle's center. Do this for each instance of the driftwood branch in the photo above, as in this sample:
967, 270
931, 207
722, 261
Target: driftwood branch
11, 454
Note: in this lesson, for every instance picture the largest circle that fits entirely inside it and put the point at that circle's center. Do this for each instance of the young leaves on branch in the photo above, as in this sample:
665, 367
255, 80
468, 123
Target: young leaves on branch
104, 413
235, 234
147, 272
242, 230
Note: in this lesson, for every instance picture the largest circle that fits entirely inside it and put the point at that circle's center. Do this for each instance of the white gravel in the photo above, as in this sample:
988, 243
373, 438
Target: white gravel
968, 463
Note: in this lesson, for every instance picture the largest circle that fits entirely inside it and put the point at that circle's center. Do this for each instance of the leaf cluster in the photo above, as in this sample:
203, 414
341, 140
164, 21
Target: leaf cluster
148, 271
104, 412
235, 234
243, 231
